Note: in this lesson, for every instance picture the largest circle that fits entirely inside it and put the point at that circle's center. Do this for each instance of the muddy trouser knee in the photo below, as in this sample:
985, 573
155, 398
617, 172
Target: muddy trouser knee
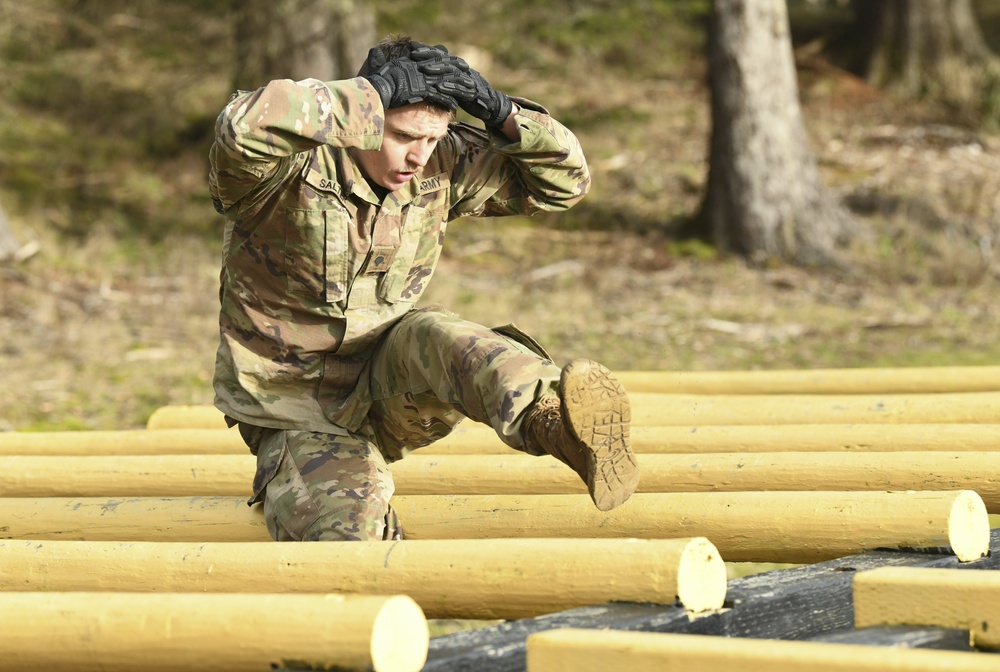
433, 368
324, 487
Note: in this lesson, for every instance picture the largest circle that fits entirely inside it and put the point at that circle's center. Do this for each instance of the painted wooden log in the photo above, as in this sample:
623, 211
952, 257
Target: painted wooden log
473, 439
937, 597
649, 409
486, 579
898, 380
126, 475
417, 474
745, 526
711, 472
573, 650
803, 602
185, 632
123, 442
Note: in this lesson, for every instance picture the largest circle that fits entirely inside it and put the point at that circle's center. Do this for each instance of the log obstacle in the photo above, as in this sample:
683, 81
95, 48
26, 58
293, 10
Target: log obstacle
649, 409
935, 597
121, 632
473, 439
577, 650
493, 578
790, 527
903, 380
123, 442
127, 475
807, 602
418, 474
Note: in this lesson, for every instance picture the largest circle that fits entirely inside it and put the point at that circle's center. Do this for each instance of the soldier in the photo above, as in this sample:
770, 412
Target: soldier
337, 196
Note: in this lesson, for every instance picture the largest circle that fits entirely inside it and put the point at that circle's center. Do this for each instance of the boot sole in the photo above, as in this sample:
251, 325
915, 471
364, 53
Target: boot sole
596, 409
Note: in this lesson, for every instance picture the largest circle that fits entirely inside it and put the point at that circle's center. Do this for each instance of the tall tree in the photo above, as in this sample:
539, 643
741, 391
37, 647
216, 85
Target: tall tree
277, 39
931, 49
765, 199
9, 245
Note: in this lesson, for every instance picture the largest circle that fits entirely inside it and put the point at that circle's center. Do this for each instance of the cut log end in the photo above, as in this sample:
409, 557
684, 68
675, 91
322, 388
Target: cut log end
969, 527
701, 576
400, 636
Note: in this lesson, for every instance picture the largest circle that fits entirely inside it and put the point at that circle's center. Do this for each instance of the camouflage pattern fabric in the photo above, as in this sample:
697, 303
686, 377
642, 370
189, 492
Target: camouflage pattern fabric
316, 268
319, 334
432, 370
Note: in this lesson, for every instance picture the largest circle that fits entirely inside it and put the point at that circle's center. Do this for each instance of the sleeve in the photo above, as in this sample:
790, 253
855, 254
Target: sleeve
259, 132
544, 171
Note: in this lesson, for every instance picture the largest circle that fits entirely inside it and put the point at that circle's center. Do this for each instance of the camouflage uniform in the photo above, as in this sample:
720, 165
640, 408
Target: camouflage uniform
324, 361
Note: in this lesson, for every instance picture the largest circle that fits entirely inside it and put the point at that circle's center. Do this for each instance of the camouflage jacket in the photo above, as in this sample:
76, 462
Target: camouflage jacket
316, 268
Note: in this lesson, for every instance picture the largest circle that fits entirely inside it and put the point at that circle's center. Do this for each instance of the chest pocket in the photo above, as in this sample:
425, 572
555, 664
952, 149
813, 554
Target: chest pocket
421, 240
316, 255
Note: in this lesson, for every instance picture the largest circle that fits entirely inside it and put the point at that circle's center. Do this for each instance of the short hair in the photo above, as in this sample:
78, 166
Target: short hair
392, 46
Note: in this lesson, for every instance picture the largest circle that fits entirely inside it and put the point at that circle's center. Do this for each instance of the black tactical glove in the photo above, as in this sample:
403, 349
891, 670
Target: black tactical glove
475, 95
403, 81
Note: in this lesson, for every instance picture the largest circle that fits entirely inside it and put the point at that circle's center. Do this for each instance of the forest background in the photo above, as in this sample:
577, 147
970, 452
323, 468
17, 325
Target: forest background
106, 115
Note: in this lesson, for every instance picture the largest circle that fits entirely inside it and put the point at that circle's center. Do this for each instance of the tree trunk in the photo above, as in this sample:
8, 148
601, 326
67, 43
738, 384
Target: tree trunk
765, 199
931, 50
296, 39
9, 244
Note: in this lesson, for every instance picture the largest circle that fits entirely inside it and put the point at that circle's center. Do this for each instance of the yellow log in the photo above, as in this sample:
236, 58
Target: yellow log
601, 650
649, 409
132, 519
795, 527
485, 579
184, 632
123, 442
473, 439
126, 475
779, 409
222, 475
711, 472
187, 417
903, 380
745, 526
931, 597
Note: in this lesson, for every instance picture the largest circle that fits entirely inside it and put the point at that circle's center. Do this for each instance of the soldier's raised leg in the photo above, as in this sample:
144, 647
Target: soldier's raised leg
433, 363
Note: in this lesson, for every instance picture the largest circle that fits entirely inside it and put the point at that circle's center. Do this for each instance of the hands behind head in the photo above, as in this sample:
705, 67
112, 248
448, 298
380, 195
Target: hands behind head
432, 75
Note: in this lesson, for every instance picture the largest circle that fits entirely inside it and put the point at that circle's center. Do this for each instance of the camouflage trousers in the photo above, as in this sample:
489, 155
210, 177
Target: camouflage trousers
431, 370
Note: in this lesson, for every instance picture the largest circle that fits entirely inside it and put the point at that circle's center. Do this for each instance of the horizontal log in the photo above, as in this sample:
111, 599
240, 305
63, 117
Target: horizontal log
518, 474
935, 597
745, 526
123, 442
711, 472
127, 475
471, 438
893, 380
650, 409
589, 650
121, 632
803, 602
485, 579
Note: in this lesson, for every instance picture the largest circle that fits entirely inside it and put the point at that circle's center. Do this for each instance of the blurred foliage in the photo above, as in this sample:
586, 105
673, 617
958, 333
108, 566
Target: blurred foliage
107, 106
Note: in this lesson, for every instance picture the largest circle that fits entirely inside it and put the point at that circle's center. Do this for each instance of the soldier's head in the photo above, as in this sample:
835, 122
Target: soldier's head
410, 134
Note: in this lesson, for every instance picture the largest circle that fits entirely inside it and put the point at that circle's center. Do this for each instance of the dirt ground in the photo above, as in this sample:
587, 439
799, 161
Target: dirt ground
97, 334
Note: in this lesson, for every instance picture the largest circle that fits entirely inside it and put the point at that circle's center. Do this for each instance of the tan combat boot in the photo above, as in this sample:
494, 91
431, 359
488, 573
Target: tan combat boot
587, 428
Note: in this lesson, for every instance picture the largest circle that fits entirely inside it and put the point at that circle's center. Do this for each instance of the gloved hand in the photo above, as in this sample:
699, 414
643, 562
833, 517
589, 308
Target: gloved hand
405, 80
475, 95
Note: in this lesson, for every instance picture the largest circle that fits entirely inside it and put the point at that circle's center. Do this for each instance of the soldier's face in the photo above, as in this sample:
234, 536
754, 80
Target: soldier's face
411, 134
